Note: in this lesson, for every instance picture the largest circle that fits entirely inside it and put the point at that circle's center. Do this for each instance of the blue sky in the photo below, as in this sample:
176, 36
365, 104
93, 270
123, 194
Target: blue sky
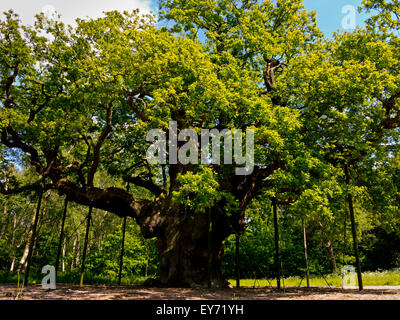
329, 12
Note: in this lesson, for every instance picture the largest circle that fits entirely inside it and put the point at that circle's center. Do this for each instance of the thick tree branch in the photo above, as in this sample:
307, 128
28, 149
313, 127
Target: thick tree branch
390, 106
117, 201
31, 187
8, 85
269, 74
17, 143
131, 103
147, 184
97, 147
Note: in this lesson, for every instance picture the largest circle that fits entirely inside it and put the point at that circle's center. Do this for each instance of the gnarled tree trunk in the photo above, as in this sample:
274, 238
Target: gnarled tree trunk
182, 237
183, 248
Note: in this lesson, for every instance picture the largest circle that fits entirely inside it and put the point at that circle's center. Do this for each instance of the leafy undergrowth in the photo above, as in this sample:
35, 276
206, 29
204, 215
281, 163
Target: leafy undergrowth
73, 278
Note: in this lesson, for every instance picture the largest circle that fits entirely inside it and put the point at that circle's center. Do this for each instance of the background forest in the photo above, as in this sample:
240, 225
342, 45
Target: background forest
328, 236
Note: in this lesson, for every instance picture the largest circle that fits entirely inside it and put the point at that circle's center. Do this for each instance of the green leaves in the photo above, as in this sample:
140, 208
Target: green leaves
386, 14
199, 190
140, 257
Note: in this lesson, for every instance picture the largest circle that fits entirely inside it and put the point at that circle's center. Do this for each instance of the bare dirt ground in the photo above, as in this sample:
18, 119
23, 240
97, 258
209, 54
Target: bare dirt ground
109, 292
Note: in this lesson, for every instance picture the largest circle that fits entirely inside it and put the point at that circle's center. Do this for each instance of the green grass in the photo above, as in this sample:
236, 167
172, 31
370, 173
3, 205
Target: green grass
379, 278
382, 278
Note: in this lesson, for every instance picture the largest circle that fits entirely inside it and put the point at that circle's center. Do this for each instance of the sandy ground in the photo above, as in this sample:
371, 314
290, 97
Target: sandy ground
103, 292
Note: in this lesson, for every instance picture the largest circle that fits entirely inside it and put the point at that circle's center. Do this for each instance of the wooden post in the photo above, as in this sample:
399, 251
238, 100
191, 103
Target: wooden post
277, 259
32, 239
305, 252
121, 259
354, 231
237, 261
61, 233
344, 242
209, 248
89, 217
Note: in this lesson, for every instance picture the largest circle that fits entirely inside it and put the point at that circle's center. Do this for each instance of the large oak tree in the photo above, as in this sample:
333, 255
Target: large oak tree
80, 100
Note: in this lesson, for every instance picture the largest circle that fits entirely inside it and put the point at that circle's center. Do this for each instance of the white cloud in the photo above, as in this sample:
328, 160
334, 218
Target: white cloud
71, 9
